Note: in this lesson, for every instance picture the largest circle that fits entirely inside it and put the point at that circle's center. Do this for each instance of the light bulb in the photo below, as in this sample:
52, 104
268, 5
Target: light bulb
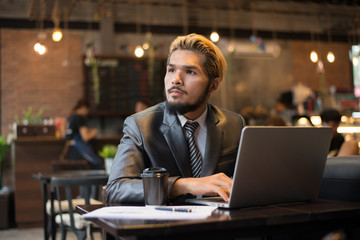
214, 37
37, 46
57, 35
330, 57
42, 50
313, 56
145, 46
139, 52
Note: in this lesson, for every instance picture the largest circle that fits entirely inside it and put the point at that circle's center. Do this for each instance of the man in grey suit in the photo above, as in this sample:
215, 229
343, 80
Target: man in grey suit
155, 136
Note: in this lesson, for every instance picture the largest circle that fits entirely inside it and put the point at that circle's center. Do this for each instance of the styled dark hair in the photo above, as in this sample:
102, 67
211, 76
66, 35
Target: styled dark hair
330, 115
80, 103
144, 101
215, 64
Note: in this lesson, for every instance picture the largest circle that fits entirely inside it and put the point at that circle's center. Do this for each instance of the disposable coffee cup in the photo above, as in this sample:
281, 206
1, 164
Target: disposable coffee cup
155, 182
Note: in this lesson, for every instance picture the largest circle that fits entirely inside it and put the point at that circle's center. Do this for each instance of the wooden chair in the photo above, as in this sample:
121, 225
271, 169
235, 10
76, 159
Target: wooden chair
89, 187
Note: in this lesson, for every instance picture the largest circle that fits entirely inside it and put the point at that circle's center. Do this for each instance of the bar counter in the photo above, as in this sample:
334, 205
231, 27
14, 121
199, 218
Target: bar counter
31, 155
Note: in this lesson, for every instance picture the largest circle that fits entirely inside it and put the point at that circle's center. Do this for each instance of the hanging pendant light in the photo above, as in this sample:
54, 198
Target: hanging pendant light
57, 35
313, 56
330, 57
214, 36
139, 51
42, 50
39, 47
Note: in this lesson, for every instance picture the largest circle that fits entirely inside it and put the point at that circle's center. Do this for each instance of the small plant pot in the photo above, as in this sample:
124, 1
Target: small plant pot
26, 130
45, 130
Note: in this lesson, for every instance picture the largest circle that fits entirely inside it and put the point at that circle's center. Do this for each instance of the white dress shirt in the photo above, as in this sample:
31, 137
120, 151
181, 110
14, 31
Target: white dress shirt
200, 132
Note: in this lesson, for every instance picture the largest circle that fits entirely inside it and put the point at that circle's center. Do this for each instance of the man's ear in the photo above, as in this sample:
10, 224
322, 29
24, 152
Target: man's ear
214, 85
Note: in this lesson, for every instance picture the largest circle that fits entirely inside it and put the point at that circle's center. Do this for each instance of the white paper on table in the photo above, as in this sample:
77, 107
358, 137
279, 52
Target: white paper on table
131, 212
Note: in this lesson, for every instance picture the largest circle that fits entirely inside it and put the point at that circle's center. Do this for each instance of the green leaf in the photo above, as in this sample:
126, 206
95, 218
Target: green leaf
108, 151
4, 147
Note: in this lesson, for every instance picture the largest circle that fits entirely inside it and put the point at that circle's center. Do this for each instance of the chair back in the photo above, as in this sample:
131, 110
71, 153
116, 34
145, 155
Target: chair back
341, 179
87, 187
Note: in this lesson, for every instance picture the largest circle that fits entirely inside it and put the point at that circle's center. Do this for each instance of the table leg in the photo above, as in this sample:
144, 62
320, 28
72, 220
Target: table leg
108, 236
53, 224
45, 198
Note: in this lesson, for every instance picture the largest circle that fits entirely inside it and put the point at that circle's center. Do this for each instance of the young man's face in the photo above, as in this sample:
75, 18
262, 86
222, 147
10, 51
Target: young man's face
187, 85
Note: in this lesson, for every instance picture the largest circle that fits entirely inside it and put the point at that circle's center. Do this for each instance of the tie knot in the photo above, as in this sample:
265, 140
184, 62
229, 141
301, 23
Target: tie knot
190, 127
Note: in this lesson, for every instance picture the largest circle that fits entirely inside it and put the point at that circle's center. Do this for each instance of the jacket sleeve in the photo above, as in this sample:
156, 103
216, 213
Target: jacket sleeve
125, 184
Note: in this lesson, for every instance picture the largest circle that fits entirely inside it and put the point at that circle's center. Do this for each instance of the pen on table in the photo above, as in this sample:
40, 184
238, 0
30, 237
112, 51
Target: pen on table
173, 209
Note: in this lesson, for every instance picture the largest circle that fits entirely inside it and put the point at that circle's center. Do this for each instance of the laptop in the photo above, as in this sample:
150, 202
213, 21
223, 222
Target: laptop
276, 165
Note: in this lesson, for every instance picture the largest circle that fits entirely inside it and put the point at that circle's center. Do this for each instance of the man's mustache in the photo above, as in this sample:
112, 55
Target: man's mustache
176, 88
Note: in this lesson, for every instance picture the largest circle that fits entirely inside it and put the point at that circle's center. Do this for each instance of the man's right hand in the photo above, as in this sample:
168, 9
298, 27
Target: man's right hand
217, 184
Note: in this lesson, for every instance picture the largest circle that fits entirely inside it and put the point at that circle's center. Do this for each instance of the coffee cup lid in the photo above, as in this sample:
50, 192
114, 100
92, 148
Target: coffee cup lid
153, 171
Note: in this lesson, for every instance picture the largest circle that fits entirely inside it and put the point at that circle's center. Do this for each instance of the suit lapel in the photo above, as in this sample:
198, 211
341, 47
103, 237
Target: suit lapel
213, 144
175, 139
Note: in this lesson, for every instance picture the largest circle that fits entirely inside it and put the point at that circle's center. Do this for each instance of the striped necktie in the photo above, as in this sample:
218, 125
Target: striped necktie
195, 155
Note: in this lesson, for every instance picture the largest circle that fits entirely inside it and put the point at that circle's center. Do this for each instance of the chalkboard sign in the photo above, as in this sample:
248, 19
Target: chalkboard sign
114, 84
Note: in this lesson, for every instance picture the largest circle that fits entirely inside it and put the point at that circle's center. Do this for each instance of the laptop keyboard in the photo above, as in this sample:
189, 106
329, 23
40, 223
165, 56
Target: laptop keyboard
214, 199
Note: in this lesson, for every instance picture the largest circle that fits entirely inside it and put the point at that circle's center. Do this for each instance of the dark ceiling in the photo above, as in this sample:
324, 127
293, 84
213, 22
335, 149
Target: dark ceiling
335, 20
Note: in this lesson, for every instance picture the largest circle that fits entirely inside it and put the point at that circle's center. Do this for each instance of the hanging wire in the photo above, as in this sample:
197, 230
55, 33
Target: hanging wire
214, 35
42, 14
273, 15
139, 51
138, 16
232, 20
66, 61
253, 22
330, 55
148, 17
185, 22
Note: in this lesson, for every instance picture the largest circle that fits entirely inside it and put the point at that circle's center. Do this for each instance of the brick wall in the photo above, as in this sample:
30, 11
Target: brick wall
337, 73
31, 80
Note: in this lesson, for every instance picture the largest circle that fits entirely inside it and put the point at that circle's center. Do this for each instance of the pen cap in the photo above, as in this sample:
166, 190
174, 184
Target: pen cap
155, 183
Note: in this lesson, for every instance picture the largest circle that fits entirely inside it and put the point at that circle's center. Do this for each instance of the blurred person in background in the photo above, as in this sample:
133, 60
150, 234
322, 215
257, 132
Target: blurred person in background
141, 105
338, 146
285, 107
275, 121
78, 135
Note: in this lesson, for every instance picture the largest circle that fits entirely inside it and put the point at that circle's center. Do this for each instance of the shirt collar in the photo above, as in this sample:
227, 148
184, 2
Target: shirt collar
201, 119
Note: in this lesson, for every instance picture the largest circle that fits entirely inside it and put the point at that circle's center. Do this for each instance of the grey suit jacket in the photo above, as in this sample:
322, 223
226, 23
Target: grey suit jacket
155, 138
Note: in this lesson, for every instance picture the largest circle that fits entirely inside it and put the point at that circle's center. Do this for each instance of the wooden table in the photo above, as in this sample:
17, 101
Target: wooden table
306, 221
45, 180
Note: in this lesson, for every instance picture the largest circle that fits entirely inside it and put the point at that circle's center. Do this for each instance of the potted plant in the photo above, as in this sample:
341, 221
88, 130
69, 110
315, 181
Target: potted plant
31, 124
108, 152
26, 126
4, 147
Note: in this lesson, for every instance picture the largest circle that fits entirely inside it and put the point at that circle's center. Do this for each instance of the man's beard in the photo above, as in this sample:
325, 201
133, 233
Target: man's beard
182, 108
